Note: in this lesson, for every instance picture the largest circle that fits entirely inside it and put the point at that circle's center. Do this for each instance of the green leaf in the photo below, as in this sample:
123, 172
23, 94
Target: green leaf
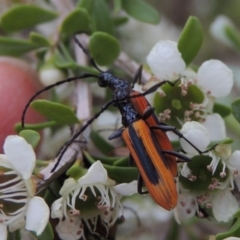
234, 230
104, 146
226, 141
107, 160
123, 162
104, 48
55, 111
25, 16
141, 11
234, 36
39, 40
32, 137
236, 109
36, 127
117, 173
77, 21
117, 5
120, 20
76, 171
15, 47
100, 15
102, 20
86, 4
190, 39
221, 109
63, 59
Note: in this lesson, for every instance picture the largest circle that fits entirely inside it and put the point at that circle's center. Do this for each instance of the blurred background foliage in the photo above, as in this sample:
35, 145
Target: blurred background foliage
136, 38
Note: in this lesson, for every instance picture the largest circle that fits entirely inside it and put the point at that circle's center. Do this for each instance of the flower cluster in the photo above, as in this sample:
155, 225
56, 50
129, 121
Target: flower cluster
18, 205
206, 182
86, 200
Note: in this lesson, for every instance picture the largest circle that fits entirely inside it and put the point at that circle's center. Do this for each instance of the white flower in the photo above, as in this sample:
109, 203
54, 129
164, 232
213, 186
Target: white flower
215, 126
224, 205
51, 75
142, 214
186, 207
17, 189
218, 29
223, 153
197, 135
165, 60
94, 186
215, 78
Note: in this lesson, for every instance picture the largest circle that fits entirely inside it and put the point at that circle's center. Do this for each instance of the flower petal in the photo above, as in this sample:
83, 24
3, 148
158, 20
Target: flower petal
165, 60
3, 231
56, 211
126, 189
224, 205
20, 154
68, 186
186, 208
17, 224
215, 78
96, 174
37, 215
234, 160
70, 229
215, 126
196, 134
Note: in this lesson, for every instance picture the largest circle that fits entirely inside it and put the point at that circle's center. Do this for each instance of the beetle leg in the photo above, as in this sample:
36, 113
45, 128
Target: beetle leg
174, 130
178, 155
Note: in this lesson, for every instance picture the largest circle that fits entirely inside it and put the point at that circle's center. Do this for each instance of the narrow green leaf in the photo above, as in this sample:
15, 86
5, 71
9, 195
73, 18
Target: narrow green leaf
39, 39
36, 127
236, 109
234, 36
103, 146
32, 137
24, 16
117, 173
141, 10
106, 160
55, 111
77, 21
104, 48
15, 47
190, 39
123, 162
221, 109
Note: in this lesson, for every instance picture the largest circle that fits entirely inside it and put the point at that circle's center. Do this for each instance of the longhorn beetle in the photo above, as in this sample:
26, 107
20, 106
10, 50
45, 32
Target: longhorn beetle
142, 132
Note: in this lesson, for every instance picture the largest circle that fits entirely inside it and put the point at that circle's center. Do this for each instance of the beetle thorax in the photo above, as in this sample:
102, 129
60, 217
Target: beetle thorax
120, 87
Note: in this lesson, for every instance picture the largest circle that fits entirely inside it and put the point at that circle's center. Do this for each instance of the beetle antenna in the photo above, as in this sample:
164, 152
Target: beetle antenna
91, 59
86, 75
75, 136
